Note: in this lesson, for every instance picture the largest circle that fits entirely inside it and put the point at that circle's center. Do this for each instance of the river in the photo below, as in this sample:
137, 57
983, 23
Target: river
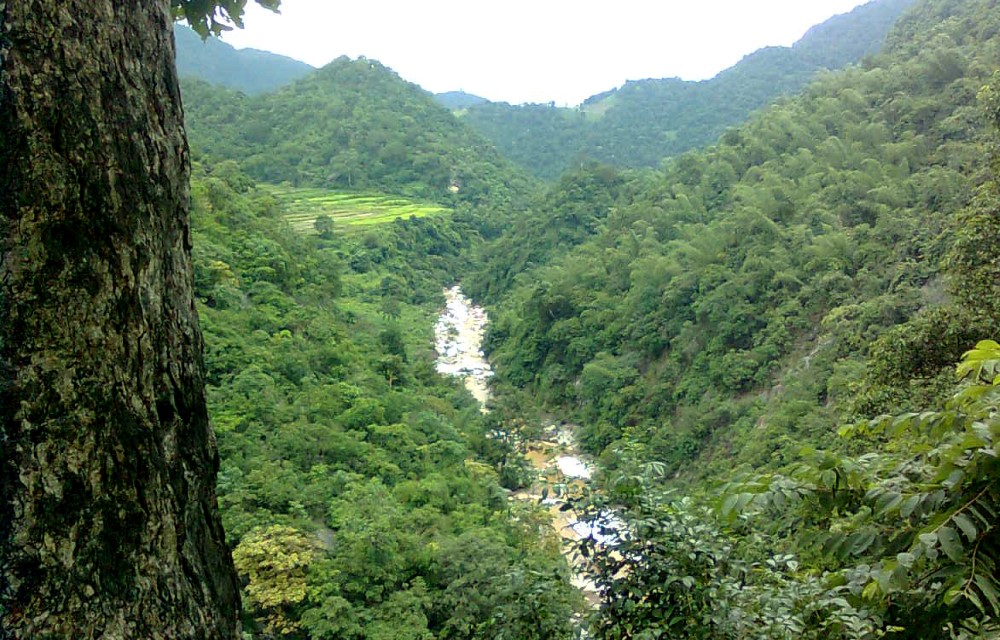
458, 340
458, 337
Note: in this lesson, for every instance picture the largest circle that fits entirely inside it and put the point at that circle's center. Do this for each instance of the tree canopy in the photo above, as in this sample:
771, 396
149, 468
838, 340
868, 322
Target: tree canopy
354, 124
360, 490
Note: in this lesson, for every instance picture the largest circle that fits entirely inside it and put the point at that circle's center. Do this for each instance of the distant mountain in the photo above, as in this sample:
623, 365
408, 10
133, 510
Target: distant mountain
645, 121
353, 124
459, 100
247, 70
540, 138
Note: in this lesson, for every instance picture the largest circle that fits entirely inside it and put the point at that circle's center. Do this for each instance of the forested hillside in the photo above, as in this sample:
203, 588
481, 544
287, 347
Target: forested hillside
645, 121
820, 223
353, 124
827, 262
247, 70
724, 335
458, 99
358, 488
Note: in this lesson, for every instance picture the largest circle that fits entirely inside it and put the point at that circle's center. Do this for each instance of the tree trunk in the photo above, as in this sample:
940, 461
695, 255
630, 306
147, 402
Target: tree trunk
109, 526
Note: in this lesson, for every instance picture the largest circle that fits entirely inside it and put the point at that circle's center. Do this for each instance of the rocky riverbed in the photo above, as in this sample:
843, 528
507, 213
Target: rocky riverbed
458, 340
458, 336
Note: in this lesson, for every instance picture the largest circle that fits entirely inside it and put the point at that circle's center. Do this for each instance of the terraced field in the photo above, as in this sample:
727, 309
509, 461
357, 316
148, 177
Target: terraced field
349, 211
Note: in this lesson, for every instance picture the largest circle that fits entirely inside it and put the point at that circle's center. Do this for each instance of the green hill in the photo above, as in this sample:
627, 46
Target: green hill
722, 333
821, 223
352, 125
459, 99
713, 327
645, 121
247, 70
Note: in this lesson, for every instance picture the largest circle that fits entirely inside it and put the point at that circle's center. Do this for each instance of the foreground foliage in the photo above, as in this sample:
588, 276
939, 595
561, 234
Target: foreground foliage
901, 542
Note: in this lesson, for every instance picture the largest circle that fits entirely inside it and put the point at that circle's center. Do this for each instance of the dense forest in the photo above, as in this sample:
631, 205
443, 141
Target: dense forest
358, 487
765, 307
354, 124
727, 332
820, 223
645, 121
826, 263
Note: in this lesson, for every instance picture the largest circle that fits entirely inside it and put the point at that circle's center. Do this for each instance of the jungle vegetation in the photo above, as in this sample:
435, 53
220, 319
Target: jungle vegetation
779, 348
354, 125
359, 489
759, 342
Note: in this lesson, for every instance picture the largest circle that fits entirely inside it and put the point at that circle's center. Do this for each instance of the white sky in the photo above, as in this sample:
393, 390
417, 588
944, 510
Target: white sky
534, 50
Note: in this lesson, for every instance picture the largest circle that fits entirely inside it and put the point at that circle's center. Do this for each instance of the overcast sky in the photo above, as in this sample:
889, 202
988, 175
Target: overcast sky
534, 50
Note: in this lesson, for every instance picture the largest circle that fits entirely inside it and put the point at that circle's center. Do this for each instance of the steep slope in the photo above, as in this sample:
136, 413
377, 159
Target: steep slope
353, 124
645, 121
725, 305
713, 326
541, 138
247, 70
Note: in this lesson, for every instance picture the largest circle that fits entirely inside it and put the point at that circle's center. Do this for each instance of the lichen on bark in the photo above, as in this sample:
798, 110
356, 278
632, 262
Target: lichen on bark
108, 520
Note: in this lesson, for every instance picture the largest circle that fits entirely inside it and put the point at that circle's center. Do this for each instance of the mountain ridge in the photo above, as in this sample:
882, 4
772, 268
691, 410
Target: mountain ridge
644, 121
352, 124
251, 71
459, 99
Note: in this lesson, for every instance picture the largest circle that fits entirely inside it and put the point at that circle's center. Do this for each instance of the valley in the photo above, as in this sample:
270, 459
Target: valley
554, 457
703, 350
328, 356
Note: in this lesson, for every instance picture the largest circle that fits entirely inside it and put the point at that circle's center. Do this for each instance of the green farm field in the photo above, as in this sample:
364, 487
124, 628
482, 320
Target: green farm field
348, 210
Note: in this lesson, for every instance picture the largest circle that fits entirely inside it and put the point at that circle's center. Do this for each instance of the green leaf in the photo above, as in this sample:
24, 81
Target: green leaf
984, 356
952, 595
965, 523
728, 504
989, 590
861, 541
951, 544
888, 502
743, 500
778, 499
909, 505
973, 441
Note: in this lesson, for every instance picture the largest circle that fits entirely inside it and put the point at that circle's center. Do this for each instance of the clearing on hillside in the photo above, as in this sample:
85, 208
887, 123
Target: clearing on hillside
348, 210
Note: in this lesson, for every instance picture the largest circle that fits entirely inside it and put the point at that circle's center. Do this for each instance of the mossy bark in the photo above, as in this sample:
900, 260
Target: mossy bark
109, 526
